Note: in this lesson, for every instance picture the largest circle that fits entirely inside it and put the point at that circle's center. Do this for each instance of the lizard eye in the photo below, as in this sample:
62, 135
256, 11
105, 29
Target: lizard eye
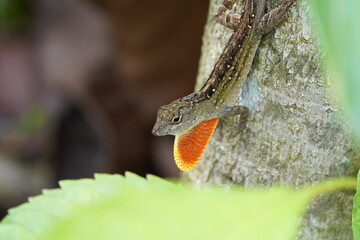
176, 119
210, 92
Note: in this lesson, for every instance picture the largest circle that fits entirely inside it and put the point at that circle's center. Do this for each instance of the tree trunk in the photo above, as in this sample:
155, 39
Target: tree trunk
295, 134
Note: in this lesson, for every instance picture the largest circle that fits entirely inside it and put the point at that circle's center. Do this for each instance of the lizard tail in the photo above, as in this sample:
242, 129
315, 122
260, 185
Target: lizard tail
189, 147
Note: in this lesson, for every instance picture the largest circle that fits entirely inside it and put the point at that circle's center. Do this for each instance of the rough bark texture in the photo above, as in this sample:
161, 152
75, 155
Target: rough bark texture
295, 135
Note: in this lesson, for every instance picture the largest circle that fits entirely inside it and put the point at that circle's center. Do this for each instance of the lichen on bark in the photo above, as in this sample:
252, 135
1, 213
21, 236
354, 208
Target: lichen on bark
296, 133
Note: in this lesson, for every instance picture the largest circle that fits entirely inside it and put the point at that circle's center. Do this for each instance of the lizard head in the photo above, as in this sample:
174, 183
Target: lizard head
176, 118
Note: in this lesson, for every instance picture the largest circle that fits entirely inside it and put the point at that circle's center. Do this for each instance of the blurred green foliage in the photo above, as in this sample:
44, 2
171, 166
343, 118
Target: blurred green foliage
339, 27
131, 207
14, 15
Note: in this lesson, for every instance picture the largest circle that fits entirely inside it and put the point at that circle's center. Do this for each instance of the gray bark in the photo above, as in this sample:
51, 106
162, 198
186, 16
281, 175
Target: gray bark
296, 133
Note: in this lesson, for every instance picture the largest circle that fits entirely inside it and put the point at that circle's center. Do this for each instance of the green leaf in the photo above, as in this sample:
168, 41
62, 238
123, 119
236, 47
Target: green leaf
186, 214
339, 28
131, 207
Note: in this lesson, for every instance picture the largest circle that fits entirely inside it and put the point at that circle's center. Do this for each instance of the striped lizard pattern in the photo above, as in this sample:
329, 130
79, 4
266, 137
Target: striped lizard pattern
192, 119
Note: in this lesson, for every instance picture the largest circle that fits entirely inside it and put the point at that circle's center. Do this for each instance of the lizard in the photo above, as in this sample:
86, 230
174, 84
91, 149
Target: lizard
192, 119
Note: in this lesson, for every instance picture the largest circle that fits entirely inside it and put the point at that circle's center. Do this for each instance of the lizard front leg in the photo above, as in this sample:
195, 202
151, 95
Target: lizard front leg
236, 110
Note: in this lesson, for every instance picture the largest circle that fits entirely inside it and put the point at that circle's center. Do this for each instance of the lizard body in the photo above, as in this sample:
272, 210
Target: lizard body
193, 118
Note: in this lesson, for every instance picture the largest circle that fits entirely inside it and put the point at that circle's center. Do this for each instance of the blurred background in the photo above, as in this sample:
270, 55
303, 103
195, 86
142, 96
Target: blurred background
80, 84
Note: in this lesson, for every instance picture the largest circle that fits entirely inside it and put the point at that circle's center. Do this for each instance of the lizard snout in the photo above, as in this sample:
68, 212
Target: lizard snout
155, 130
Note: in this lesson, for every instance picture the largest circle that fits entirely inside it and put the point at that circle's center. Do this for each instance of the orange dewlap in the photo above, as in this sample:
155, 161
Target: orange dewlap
189, 147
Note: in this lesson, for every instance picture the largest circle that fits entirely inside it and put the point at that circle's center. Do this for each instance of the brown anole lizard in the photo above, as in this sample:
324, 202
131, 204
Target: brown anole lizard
193, 118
